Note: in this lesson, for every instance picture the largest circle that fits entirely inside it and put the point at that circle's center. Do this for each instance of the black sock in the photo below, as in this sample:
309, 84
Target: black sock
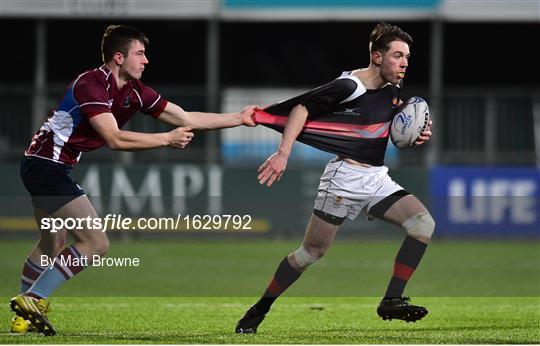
407, 260
284, 277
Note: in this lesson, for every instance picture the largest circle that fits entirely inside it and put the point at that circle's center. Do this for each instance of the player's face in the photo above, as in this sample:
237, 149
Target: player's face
395, 61
134, 63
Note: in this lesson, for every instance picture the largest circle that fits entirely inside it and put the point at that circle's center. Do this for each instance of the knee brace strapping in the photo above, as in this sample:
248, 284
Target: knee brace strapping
421, 224
303, 258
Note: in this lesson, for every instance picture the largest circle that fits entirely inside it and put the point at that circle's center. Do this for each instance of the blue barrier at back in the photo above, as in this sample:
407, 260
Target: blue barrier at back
486, 200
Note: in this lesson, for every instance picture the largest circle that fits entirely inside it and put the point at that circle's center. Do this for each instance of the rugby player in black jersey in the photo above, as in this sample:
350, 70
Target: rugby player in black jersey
350, 116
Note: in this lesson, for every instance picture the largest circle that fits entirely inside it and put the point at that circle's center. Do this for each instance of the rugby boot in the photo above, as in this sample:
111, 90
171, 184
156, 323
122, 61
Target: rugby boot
250, 321
19, 325
34, 311
400, 309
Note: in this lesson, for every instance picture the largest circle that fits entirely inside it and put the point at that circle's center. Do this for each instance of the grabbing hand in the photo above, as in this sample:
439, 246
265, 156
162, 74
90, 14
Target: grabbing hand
180, 137
272, 169
247, 114
425, 135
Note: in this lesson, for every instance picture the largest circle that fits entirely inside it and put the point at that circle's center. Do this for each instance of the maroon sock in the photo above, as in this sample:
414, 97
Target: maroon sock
31, 271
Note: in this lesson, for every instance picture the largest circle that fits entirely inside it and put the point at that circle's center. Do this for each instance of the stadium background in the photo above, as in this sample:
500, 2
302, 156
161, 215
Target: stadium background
475, 63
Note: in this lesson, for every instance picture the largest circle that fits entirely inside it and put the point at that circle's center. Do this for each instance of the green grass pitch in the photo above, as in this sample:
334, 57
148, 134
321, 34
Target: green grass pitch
194, 291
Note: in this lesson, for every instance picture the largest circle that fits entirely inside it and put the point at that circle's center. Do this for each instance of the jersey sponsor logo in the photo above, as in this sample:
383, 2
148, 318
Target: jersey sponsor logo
349, 111
110, 103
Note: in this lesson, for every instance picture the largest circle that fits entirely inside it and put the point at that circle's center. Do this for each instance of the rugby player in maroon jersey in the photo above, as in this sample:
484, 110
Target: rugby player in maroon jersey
90, 115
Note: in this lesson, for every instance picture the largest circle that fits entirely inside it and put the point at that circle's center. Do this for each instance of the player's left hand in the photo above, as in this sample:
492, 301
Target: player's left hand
425, 136
272, 169
247, 115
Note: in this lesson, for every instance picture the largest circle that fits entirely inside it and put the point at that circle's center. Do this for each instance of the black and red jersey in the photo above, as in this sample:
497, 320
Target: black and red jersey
344, 118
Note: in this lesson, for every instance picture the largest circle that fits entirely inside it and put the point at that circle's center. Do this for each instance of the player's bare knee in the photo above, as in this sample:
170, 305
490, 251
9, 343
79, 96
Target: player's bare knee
49, 246
316, 250
103, 246
47, 249
304, 257
420, 226
99, 246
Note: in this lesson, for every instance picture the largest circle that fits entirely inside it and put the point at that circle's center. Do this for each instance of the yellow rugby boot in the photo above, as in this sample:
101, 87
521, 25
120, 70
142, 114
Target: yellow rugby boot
34, 311
43, 306
19, 325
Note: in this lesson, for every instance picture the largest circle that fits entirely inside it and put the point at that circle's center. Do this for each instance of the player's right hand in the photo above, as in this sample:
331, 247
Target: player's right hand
180, 137
247, 115
272, 169
425, 135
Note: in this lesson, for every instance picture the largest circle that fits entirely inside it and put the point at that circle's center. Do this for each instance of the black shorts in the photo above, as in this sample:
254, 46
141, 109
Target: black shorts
49, 183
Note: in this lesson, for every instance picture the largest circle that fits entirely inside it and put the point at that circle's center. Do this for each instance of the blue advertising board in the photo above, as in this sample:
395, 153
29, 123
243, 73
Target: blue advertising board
486, 200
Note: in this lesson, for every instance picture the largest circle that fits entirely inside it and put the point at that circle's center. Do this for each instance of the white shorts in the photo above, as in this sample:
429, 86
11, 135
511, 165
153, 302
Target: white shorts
346, 190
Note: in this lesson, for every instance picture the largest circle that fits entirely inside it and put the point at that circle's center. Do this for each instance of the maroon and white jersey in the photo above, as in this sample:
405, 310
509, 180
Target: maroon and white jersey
67, 132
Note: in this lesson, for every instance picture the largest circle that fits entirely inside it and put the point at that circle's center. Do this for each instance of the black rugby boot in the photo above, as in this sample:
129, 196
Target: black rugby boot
250, 321
400, 309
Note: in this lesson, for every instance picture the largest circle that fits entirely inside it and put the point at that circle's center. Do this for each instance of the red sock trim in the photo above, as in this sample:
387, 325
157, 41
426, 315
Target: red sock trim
402, 271
274, 288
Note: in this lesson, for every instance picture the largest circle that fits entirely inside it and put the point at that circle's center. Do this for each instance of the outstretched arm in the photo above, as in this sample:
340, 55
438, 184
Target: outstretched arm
272, 169
176, 116
105, 124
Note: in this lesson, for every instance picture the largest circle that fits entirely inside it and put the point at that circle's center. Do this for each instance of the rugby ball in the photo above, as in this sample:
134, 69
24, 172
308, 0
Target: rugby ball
409, 122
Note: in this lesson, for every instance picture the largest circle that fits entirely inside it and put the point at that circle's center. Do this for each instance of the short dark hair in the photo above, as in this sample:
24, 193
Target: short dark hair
118, 38
383, 34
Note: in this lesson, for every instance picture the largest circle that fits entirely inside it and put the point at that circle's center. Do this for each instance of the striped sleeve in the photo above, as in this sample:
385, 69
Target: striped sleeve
153, 103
